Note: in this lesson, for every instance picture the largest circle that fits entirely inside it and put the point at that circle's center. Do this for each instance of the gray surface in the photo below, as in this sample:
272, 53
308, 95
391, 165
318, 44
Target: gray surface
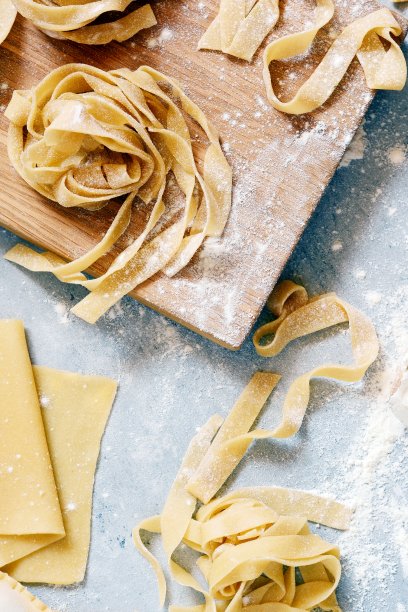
171, 380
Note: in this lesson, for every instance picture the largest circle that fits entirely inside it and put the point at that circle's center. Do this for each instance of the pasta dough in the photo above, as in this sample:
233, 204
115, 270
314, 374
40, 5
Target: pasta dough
30, 515
93, 136
15, 598
253, 540
8, 14
241, 26
61, 19
46, 485
75, 416
250, 542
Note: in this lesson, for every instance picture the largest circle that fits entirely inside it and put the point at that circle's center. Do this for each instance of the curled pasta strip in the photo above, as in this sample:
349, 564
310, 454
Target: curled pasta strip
83, 137
8, 14
384, 69
297, 316
240, 27
74, 21
251, 543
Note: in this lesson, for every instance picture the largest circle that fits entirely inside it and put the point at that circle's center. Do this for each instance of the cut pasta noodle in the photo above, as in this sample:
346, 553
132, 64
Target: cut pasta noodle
75, 21
253, 540
240, 27
83, 137
8, 14
383, 69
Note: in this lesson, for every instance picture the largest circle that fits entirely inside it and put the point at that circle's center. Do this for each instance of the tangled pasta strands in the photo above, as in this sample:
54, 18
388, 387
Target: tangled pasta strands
251, 541
8, 14
298, 316
384, 69
74, 21
83, 137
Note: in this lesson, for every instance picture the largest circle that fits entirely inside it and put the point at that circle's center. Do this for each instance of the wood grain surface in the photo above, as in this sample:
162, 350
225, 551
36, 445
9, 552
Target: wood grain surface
281, 164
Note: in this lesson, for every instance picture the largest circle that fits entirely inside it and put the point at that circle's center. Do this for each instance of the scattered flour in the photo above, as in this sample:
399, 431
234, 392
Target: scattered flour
396, 155
356, 149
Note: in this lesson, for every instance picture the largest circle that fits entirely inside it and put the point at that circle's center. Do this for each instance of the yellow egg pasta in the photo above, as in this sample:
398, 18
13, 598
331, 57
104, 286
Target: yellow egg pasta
255, 542
251, 542
84, 137
15, 598
47, 464
75, 20
241, 26
8, 14
383, 69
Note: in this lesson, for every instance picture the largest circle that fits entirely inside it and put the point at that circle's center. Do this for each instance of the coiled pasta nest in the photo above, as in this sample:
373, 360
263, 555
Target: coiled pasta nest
84, 137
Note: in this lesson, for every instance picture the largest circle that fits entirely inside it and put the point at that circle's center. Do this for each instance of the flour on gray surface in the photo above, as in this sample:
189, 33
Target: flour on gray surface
356, 148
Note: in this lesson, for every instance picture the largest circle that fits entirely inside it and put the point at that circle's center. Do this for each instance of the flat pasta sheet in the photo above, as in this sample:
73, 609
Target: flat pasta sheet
45, 502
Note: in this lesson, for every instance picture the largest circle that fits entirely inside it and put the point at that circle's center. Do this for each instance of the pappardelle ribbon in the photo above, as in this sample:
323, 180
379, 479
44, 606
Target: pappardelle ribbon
74, 21
363, 38
83, 137
252, 540
240, 27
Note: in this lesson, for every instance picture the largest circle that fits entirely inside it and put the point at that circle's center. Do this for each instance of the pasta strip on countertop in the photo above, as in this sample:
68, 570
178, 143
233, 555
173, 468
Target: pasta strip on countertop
93, 136
254, 540
250, 542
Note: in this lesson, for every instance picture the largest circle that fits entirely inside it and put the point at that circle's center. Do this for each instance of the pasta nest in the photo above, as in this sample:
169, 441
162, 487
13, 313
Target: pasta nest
83, 137
252, 556
75, 21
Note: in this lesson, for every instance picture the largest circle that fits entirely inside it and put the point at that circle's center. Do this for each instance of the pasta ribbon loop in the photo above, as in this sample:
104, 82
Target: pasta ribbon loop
84, 137
384, 69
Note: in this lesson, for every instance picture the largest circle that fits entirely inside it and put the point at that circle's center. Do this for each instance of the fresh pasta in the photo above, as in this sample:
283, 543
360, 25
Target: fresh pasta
8, 14
251, 542
75, 21
254, 541
240, 27
297, 316
83, 137
383, 69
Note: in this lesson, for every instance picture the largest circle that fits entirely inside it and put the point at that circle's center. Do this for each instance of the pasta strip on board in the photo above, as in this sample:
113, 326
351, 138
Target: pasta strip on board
74, 21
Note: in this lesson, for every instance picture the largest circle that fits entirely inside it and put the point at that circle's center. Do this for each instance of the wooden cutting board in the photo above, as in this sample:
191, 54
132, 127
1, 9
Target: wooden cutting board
281, 164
